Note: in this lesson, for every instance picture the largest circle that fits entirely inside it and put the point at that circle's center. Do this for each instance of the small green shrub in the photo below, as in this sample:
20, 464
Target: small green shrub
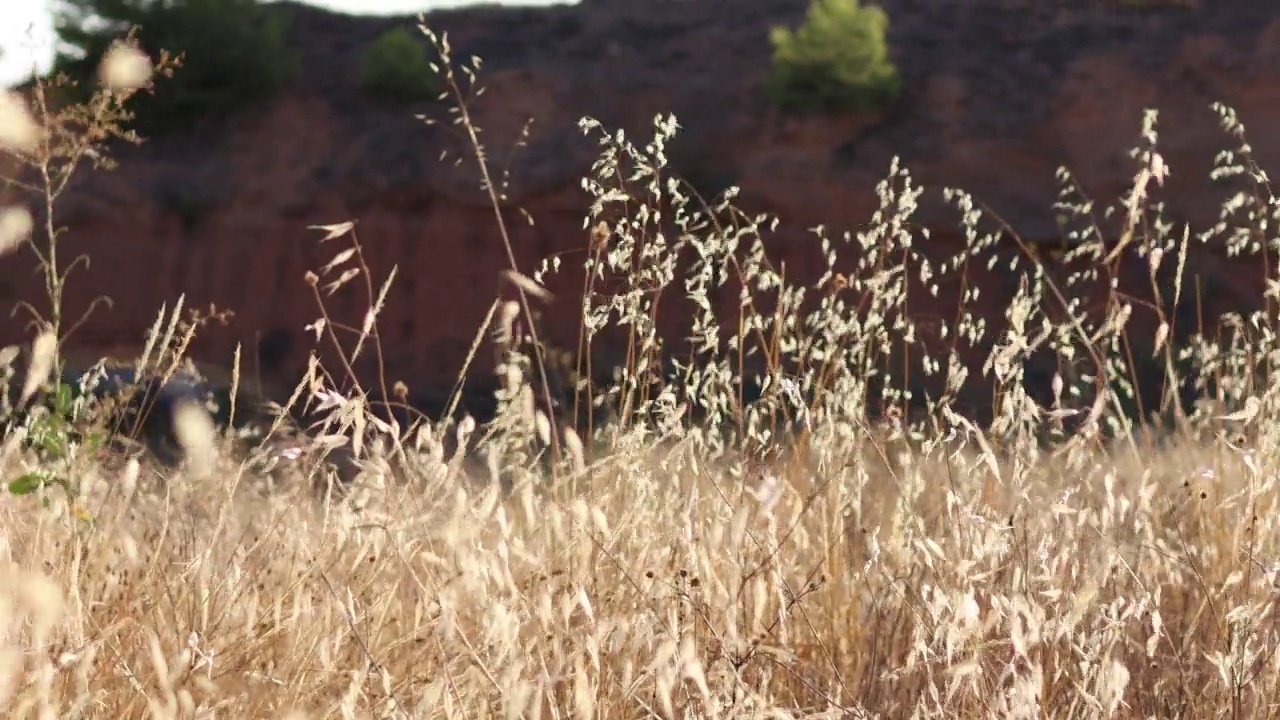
837, 60
396, 69
233, 53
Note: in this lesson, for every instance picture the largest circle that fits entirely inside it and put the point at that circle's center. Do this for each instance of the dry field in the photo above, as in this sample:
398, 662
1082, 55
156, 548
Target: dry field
1133, 586
693, 556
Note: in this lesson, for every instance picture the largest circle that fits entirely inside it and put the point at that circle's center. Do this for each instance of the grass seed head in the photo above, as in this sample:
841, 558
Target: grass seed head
18, 130
124, 67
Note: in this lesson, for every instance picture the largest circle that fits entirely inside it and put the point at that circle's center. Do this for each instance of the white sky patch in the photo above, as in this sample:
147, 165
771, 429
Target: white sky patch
27, 37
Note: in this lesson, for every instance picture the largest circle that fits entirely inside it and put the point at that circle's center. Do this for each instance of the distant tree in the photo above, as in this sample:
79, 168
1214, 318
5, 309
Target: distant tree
837, 60
232, 53
396, 68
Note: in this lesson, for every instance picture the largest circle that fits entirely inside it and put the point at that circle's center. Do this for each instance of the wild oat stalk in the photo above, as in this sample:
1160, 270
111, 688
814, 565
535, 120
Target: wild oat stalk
69, 136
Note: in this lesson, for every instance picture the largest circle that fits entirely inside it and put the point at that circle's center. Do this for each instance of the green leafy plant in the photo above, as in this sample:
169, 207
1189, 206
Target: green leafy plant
60, 431
837, 60
232, 53
396, 69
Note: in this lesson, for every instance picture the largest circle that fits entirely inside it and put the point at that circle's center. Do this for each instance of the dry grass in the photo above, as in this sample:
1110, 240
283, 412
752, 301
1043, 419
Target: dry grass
688, 554
669, 587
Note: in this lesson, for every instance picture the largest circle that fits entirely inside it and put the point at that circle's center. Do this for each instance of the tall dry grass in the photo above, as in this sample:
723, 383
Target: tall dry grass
688, 553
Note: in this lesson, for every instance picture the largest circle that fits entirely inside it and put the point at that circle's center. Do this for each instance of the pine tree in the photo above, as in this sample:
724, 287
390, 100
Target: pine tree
232, 52
837, 60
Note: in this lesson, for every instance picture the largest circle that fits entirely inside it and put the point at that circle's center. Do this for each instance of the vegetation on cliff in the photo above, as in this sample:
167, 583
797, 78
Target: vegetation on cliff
232, 53
396, 68
838, 59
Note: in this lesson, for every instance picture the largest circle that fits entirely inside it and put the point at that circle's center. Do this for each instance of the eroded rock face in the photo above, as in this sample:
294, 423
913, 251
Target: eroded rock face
996, 101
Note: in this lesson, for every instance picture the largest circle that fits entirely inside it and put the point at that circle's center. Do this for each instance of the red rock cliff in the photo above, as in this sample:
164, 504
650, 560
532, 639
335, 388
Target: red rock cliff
996, 100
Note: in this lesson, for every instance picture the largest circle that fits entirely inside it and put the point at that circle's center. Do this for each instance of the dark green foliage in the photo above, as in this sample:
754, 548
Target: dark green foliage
58, 426
233, 53
396, 69
837, 60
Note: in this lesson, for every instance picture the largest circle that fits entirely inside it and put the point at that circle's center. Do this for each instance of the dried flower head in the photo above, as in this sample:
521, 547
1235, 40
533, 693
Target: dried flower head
124, 67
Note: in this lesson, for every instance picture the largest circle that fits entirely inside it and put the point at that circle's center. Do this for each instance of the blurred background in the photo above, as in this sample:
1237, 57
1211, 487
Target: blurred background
27, 37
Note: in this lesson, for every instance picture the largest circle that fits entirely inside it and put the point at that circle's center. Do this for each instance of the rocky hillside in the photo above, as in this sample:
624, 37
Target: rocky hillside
998, 95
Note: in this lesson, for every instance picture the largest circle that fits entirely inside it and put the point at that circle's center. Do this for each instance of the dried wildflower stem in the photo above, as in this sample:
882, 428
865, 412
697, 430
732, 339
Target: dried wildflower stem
477, 148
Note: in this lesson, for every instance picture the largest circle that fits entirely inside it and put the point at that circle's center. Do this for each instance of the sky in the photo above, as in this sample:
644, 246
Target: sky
26, 27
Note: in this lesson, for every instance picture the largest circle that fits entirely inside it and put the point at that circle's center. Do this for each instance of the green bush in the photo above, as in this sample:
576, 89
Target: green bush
396, 68
837, 60
233, 53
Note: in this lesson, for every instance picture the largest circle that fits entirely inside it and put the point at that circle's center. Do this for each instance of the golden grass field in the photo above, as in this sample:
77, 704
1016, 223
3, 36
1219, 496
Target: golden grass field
663, 567
1134, 586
